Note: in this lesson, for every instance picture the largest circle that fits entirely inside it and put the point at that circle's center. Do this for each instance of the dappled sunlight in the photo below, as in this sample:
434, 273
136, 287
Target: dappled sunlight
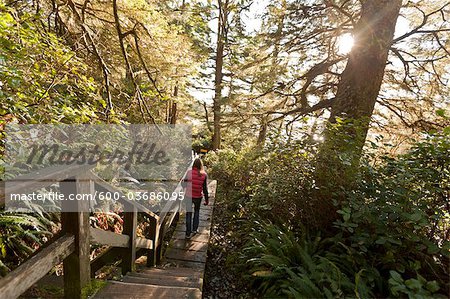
323, 128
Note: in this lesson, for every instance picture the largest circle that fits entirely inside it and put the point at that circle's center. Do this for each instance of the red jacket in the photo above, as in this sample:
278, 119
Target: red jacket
196, 184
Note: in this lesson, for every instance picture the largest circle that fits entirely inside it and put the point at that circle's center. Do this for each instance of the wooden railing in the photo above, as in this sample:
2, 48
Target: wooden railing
72, 245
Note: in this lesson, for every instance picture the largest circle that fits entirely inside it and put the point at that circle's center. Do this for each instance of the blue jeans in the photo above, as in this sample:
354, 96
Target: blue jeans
192, 225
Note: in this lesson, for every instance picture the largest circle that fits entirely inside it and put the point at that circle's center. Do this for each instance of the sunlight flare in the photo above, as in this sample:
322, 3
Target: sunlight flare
345, 43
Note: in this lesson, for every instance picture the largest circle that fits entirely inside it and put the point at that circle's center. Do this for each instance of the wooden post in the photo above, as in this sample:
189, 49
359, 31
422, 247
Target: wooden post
76, 222
154, 235
158, 249
129, 228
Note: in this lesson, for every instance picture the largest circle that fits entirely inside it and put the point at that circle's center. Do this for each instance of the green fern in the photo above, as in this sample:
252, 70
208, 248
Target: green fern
296, 266
21, 234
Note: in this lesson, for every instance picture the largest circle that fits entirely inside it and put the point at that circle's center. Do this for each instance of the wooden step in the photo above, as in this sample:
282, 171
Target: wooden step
181, 235
170, 271
193, 281
195, 275
126, 290
201, 222
189, 245
182, 263
202, 228
186, 255
205, 210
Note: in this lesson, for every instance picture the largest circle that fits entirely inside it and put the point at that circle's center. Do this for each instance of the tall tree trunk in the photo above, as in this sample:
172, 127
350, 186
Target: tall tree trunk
218, 84
172, 117
353, 106
262, 131
208, 123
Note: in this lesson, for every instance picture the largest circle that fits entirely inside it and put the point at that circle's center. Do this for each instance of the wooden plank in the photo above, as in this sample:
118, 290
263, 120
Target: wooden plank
169, 220
189, 245
144, 243
129, 228
117, 290
174, 205
102, 185
76, 265
173, 281
202, 226
160, 225
198, 237
186, 264
154, 235
212, 187
102, 237
202, 222
169, 273
19, 280
172, 271
186, 255
203, 218
171, 205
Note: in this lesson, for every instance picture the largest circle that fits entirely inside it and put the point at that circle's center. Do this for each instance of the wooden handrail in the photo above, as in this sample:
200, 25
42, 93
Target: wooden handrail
73, 246
105, 186
103, 237
167, 215
19, 280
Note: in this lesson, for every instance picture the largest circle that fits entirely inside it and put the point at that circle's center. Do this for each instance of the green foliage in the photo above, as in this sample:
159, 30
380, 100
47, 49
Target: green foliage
235, 169
395, 219
202, 141
266, 181
20, 235
92, 288
287, 265
41, 79
398, 218
414, 288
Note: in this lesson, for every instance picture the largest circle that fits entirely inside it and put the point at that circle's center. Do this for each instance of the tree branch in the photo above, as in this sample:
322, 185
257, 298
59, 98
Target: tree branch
303, 110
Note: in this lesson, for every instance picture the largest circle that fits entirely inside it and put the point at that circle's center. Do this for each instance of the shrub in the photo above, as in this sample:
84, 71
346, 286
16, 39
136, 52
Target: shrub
285, 264
20, 236
391, 238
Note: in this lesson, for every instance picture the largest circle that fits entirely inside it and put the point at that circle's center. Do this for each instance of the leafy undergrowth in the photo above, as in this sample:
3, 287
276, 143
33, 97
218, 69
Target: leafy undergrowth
21, 235
390, 238
221, 279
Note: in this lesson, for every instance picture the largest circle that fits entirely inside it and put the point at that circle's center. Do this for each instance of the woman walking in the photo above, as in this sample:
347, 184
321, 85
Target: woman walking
196, 186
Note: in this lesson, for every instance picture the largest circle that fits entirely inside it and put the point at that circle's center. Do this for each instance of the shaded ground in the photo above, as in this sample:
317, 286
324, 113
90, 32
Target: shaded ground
222, 278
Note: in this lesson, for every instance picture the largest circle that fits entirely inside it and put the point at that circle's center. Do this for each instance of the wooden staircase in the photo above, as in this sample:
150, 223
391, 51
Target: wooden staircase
157, 283
181, 275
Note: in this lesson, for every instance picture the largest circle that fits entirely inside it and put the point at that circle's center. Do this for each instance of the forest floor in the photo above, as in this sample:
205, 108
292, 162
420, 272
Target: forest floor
221, 279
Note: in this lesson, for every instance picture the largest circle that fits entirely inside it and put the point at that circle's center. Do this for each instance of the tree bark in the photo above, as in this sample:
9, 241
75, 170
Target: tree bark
361, 80
221, 39
262, 131
353, 106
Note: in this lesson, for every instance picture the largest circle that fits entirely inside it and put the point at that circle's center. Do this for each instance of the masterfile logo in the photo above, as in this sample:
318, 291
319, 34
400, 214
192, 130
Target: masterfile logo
135, 159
